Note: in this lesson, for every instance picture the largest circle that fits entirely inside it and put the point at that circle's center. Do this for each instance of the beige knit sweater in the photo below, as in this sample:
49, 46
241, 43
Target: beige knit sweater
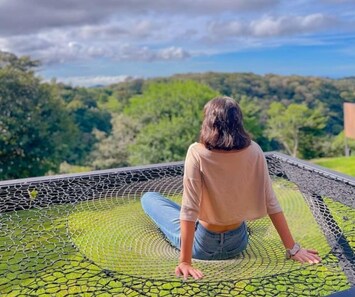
227, 187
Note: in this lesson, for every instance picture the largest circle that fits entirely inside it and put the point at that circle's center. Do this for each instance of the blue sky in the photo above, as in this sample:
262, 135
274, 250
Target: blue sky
105, 41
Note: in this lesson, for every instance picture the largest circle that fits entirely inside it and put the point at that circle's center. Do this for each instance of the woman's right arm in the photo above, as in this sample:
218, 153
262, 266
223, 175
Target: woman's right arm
187, 238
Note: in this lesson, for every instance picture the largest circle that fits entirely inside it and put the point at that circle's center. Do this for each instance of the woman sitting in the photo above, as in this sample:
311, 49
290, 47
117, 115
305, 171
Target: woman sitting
226, 182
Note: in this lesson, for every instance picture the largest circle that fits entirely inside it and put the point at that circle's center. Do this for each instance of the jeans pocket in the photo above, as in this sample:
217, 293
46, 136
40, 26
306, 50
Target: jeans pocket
204, 248
237, 247
234, 253
201, 254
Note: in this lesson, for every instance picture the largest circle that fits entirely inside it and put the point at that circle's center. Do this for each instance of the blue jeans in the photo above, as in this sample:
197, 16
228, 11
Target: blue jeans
207, 245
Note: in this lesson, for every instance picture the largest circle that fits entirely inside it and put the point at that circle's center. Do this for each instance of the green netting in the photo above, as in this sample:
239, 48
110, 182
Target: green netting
96, 241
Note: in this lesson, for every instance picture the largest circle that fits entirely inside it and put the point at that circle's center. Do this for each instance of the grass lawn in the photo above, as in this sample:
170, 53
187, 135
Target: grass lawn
344, 165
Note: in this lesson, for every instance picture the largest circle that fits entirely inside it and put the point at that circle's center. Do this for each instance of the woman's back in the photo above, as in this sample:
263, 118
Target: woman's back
234, 185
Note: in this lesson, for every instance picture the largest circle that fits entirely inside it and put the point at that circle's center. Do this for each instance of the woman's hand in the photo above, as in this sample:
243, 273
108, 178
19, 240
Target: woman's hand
307, 256
185, 269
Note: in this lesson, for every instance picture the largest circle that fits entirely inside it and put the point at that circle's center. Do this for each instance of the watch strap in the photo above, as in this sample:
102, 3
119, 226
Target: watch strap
293, 251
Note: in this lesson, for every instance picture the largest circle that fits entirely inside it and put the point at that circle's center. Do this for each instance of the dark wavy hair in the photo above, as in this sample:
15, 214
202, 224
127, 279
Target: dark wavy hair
222, 126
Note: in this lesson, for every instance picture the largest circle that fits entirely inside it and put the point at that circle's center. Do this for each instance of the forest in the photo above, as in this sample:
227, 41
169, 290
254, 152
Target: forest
49, 127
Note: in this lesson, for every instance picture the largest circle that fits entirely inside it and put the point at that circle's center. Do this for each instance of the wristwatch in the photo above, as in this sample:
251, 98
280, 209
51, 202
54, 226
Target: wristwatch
291, 252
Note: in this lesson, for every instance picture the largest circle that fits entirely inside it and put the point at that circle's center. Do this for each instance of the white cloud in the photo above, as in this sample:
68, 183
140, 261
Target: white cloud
290, 25
132, 29
129, 52
88, 81
270, 26
30, 16
55, 46
4, 45
149, 30
172, 53
221, 29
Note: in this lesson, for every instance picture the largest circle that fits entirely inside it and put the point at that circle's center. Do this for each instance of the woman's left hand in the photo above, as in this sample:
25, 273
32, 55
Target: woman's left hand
307, 256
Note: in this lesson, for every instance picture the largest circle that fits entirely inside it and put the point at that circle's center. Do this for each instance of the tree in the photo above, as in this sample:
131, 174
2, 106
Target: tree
334, 146
112, 150
82, 106
289, 124
11, 61
170, 116
34, 127
164, 141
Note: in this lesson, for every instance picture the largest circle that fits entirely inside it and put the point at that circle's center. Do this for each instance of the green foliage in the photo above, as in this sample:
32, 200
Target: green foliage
82, 106
34, 127
164, 141
251, 118
43, 125
170, 115
333, 146
11, 61
112, 149
285, 89
115, 98
292, 125
109, 103
253, 122
255, 93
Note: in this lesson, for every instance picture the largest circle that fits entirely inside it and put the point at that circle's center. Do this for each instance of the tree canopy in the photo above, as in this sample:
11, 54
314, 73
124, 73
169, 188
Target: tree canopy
289, 124
141, 121
83, 107
170, 115
34, 127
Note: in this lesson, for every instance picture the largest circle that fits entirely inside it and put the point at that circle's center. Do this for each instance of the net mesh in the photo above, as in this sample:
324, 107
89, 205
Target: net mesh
86, 235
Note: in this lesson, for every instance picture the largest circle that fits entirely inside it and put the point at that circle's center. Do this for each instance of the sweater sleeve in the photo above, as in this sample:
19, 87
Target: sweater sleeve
272, 204
192, 188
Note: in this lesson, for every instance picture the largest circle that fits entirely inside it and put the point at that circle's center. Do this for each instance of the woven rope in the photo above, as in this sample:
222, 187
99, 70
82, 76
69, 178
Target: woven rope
116, 234
99, 242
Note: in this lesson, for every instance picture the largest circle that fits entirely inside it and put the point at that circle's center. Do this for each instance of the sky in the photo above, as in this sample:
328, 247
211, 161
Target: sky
98, 42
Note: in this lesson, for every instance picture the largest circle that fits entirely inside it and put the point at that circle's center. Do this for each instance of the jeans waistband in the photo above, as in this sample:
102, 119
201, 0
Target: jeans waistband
221, 234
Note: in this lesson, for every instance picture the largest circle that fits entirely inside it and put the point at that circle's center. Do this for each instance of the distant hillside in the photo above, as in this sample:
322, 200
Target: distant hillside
331, 93
146, 121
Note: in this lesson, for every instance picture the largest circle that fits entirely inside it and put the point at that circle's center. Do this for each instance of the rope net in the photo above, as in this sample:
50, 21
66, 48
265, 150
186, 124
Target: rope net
86, 235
